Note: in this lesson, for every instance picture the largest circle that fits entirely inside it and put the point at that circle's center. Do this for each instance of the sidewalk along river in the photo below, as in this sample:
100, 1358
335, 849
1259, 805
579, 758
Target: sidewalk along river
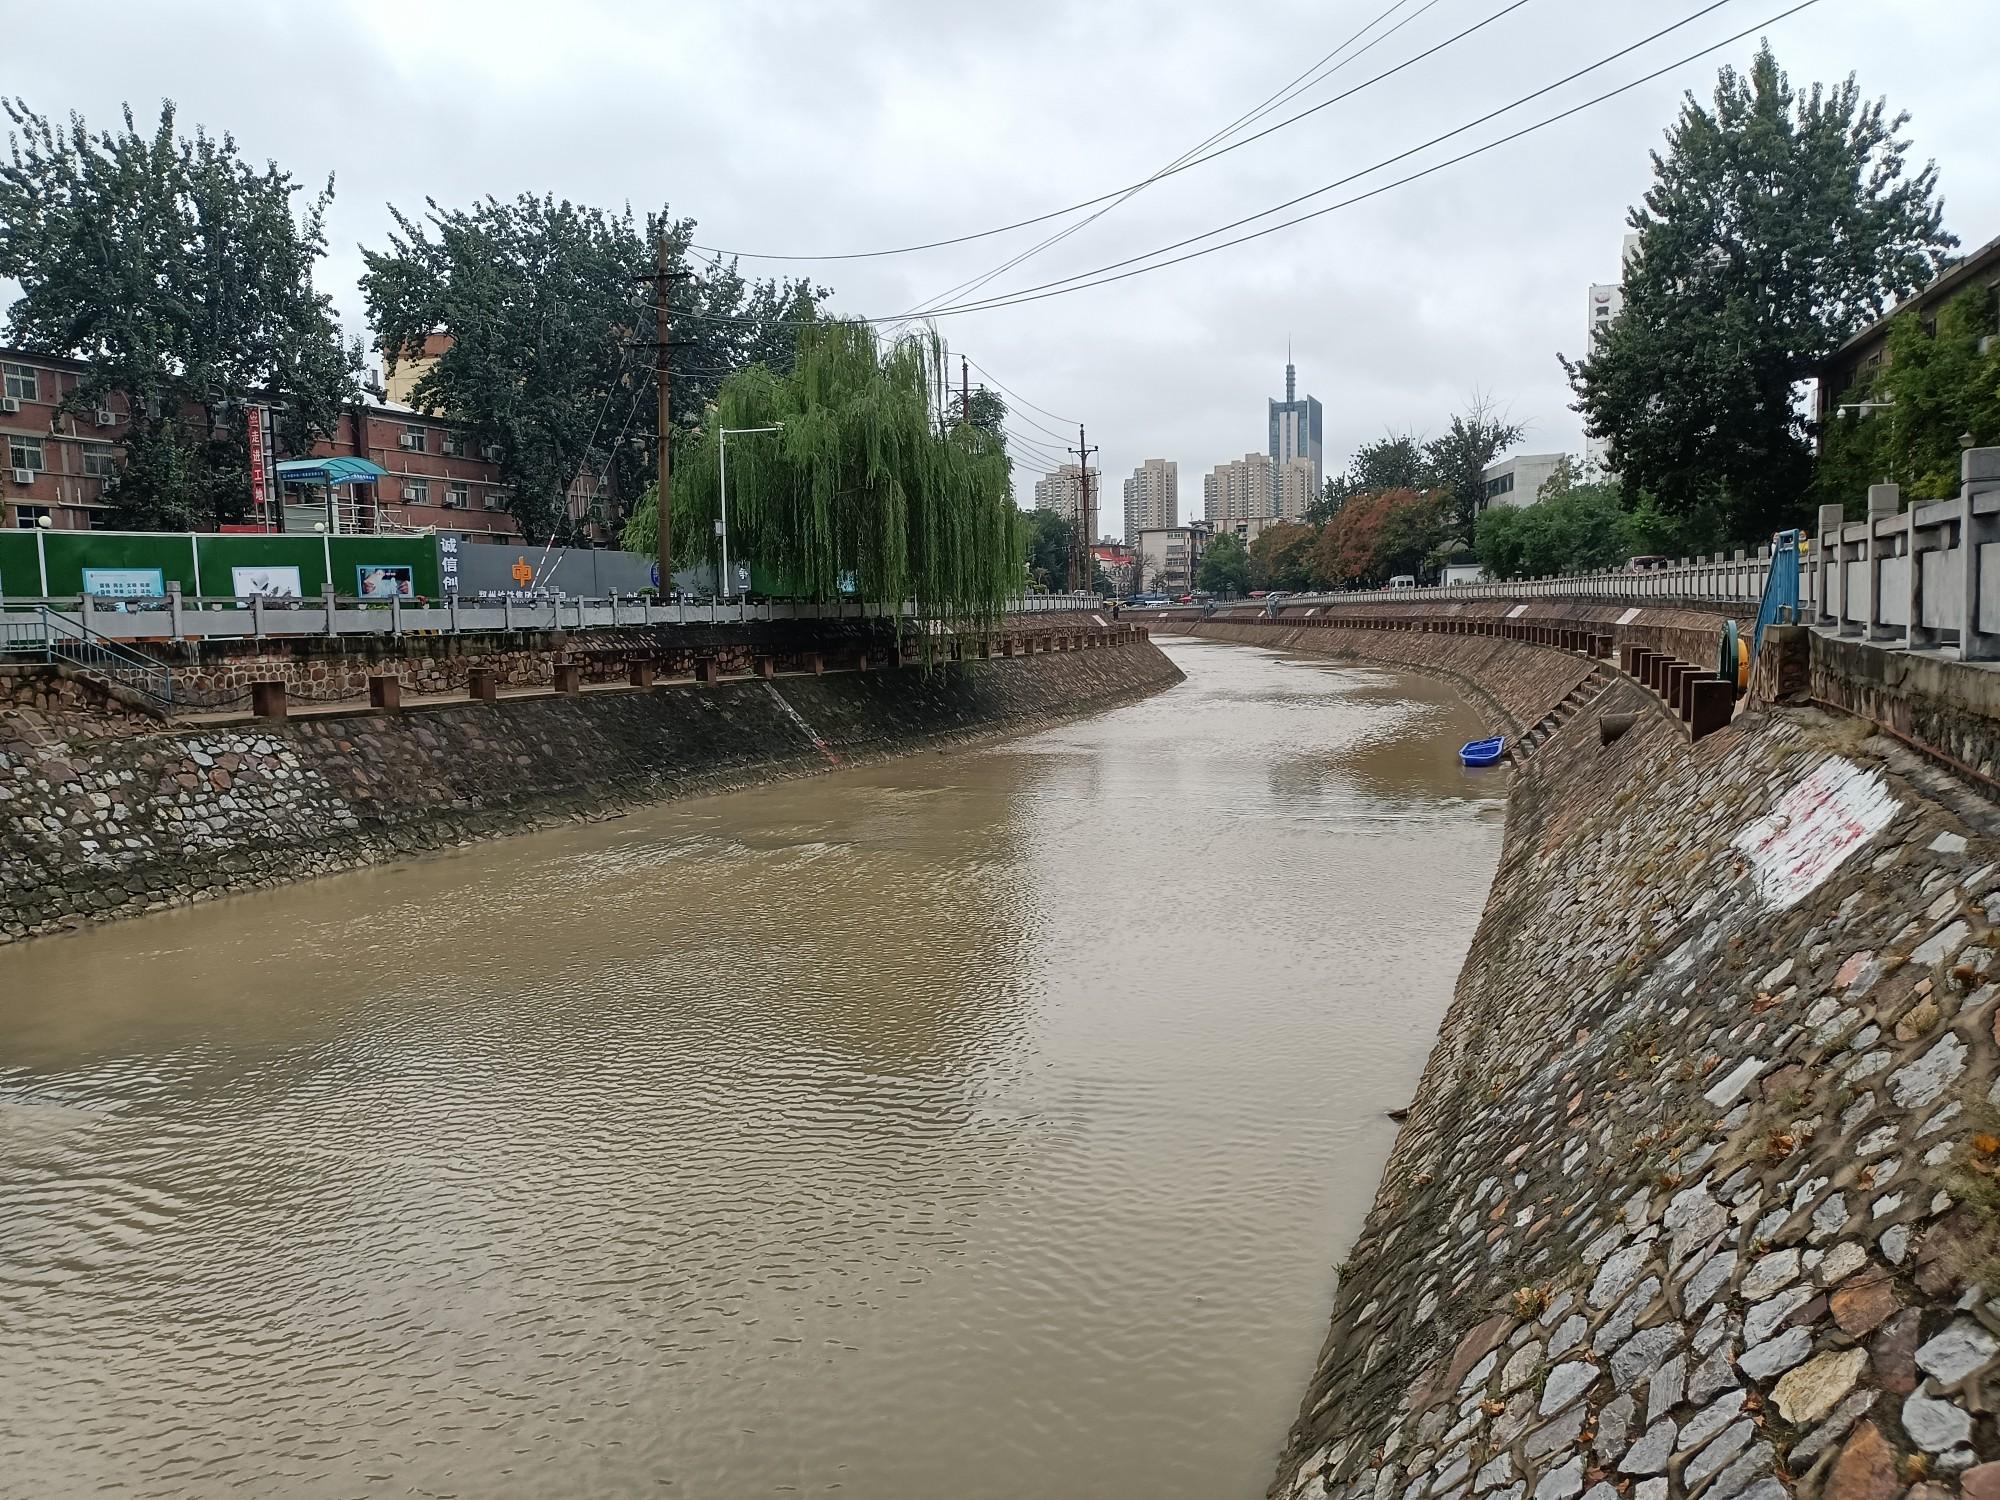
982, 1124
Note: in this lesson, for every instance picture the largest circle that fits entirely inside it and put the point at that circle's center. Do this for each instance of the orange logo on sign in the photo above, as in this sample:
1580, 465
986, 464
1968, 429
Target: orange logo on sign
523, 573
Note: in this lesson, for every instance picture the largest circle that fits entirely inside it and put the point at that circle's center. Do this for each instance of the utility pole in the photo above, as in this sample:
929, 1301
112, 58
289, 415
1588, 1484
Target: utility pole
964, 392
664, 381
1086, 530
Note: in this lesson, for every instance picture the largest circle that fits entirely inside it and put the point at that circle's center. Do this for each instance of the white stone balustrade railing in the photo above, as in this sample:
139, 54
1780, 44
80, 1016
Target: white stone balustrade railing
1897, 578
174, 617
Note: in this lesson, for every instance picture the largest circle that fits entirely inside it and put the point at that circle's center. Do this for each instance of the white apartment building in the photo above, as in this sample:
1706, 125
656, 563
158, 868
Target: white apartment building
1298, 487
1240, 489
1169, 558
1152, 497
1607, 301
1518, 480
1062, 491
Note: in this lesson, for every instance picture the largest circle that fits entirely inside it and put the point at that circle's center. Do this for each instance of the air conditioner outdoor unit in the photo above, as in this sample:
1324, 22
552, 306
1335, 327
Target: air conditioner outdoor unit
106, 418
24, 477
10, 403
492, 453
452, 502
407, 440
409, 493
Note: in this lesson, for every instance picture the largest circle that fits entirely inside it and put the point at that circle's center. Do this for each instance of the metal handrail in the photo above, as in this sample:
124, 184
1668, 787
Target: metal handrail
69, 640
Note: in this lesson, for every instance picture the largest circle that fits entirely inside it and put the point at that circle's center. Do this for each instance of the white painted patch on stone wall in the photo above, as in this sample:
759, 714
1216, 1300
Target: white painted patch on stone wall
1629, 616
1517, 611
1812, 830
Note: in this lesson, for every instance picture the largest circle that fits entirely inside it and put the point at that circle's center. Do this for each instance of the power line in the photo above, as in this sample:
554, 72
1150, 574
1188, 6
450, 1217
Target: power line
1270, 102
1064, 285
1175, 170
1080, 281
1005, 390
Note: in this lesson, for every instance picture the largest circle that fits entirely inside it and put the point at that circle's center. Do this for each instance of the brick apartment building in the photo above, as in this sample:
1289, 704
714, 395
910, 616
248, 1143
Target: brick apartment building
56, 467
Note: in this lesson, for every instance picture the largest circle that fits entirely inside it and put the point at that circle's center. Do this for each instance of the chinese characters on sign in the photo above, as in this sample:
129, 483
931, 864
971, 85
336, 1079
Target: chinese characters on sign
448, 563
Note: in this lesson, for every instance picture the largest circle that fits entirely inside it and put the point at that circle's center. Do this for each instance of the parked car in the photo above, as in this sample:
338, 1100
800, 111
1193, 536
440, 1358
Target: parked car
1403, 581
1647, 563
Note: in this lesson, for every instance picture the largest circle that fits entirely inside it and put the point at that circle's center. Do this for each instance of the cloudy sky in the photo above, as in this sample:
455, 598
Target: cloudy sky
831, 126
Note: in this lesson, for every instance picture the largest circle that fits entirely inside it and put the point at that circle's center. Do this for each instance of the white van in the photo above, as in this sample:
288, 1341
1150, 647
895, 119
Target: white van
1403, 581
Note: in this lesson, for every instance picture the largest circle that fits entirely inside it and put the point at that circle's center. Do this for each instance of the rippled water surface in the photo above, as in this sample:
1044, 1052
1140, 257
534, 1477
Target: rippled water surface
974, 1125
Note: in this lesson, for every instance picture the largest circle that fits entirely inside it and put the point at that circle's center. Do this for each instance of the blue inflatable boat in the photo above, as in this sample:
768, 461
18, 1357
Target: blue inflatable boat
1482, 752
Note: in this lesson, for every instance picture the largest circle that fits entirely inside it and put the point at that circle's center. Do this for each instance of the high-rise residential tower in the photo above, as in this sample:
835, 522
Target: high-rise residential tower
1242, 489
1152, 497
1062, 490
1296, 432
1607, 301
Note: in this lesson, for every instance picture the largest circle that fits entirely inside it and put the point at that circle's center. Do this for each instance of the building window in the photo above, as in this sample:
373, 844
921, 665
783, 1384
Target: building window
416, 439
100, 460
1501, 485
23, 384
496, 499
452, 445
416, 492
458, 494
30, 516
24, 453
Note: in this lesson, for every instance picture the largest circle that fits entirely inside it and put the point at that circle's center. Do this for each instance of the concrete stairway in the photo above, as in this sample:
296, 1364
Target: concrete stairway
1578, 698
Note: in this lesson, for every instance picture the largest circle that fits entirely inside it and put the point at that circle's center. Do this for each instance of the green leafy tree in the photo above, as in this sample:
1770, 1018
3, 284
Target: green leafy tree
184, 277
1281, 556
1935, 388
1778, 224
989, 413
549, 305
1456, 463
1394, 461
857, 490
1050, 537
1225, 566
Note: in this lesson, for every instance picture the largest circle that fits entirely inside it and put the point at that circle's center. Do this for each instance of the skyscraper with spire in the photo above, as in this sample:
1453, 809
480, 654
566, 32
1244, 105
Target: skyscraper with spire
1295, 433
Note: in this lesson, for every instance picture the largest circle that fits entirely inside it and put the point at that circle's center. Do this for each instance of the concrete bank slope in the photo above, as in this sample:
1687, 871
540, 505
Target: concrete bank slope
1700, 1192
104, 826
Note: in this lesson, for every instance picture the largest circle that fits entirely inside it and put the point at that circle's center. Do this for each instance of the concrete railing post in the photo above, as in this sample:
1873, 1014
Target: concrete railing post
267, 700
568, 677
385, 692
1826, 565
1711, 702
482, 684
1979, 497
640, 672
1884, 501
174, 609
330, 604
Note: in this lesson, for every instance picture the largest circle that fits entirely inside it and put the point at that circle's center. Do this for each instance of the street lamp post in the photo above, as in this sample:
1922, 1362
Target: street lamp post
723, 435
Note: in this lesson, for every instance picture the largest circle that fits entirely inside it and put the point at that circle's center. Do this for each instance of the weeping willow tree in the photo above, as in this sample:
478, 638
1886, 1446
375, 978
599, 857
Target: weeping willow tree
858, 494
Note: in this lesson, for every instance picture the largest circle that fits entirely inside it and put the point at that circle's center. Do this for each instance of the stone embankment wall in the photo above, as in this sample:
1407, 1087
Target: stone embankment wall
1700, 1192
1513, 685
327, 669
98, 827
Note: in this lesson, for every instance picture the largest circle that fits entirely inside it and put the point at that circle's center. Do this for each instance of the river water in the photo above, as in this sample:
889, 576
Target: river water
982, 1124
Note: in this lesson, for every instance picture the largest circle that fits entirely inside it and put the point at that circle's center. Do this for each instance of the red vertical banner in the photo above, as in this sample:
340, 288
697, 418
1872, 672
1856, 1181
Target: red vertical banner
259, 479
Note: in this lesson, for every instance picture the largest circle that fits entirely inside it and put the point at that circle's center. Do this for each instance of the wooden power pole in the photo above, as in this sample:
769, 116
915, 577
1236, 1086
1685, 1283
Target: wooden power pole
964, 392
663, 379
1086, 532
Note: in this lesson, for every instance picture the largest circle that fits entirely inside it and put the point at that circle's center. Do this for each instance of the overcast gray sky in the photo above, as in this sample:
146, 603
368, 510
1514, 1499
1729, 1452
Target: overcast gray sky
836, 125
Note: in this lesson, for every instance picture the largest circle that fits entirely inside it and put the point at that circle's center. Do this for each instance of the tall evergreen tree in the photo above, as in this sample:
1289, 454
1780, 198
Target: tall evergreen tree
1778, 224
184, 276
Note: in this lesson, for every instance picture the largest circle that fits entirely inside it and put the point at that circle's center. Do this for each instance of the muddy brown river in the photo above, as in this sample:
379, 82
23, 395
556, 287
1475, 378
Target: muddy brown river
983, 1124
